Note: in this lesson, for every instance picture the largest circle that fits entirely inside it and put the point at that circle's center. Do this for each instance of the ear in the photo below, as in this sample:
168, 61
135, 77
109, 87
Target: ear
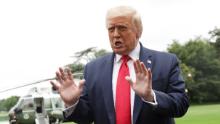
137, 36
137, 33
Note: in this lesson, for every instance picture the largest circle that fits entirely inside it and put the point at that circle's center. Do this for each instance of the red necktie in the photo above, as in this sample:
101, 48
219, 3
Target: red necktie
123, 102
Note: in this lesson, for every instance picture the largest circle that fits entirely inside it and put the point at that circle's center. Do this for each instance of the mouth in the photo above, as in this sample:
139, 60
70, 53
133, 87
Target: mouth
118, 44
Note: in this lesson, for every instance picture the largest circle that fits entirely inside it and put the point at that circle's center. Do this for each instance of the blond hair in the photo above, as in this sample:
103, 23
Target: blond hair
125, 11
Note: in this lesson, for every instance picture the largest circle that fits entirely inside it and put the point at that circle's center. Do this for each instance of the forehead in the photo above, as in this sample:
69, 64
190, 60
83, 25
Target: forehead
120, 20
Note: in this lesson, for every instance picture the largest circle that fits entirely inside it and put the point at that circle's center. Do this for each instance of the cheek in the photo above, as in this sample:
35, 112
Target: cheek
132, 42
110, 37
110, 41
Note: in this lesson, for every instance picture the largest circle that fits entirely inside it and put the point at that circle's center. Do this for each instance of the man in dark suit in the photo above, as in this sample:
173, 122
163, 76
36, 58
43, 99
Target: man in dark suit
132, 85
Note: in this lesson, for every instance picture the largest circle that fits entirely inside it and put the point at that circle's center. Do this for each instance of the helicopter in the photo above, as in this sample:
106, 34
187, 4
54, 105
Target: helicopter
41, 105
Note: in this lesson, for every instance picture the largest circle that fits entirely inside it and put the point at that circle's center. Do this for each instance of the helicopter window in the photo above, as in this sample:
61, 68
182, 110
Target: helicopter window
39, 109
28, 104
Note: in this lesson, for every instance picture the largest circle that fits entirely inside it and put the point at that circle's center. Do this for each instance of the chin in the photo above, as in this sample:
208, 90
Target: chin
120, 52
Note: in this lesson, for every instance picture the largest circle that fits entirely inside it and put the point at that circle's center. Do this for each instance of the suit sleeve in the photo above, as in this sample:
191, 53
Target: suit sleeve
82, 113
174, 101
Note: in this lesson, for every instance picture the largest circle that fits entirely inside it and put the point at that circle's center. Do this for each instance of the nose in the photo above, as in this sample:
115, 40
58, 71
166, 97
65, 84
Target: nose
116, 33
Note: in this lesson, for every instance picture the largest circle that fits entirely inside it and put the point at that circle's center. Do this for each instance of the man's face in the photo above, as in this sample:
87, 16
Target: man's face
122, 35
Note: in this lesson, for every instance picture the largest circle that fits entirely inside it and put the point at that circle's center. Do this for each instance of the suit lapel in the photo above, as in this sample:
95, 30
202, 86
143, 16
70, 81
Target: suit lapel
145, 56
107, 88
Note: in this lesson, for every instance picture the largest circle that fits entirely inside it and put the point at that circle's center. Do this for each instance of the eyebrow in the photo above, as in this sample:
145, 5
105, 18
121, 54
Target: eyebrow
116, 25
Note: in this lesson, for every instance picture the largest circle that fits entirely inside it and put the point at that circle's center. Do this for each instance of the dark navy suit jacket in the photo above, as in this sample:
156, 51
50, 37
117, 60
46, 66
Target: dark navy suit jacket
96, 103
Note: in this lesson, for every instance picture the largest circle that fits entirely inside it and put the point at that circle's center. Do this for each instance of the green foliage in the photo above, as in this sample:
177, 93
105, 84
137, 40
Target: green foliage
76, 67
6, 104
215, 34
10, 102
85, 56
201, 69
88, 54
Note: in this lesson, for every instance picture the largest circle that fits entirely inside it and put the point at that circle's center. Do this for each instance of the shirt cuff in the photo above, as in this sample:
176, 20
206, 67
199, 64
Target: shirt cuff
152, 103
69, 110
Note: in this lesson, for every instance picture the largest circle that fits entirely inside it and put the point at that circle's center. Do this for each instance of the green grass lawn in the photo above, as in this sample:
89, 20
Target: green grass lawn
3, 116
201, 114
197, 114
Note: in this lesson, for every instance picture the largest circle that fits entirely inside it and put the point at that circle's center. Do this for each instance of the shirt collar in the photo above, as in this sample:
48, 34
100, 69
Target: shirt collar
134, 54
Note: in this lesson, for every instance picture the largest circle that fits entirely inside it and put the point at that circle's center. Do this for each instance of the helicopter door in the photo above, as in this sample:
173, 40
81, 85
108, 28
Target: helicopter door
41, 115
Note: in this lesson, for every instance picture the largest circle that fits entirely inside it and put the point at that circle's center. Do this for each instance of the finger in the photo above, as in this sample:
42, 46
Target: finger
81, 83
129, 80
149, 74
150, 77
144, 69
139, 66
63, 75
58, 77
54, 85
69, 74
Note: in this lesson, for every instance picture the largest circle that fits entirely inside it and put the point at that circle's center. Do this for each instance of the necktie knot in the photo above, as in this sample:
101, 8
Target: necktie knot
125, 58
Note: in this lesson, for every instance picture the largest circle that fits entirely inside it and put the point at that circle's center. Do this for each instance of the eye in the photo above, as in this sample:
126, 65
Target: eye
122, 28
111, 29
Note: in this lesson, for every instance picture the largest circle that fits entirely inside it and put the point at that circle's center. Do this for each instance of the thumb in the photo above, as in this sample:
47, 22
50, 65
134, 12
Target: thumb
129, 80
55, 86
81, 83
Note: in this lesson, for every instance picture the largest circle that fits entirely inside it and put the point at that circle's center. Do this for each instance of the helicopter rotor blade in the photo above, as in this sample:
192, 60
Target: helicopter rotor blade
36, 82
26, 85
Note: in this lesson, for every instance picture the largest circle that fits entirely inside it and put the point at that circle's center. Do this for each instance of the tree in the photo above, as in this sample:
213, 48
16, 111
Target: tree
10, 102
83, 57
215, 34
199, 60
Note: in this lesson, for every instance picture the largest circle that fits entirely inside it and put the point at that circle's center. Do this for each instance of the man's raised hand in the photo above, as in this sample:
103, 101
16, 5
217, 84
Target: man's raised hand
68, 89
143, 84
